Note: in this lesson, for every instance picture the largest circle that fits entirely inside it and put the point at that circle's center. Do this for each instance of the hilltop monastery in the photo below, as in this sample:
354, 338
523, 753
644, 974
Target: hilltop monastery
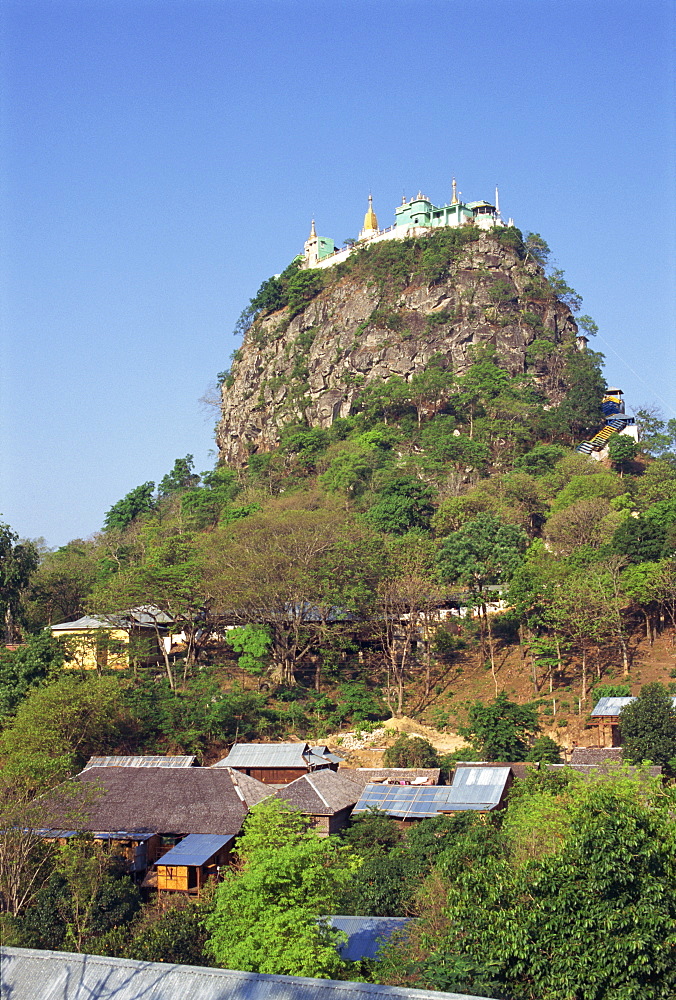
412, 218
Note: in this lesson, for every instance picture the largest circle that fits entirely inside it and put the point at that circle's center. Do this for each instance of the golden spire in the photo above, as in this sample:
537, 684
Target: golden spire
370, 220
454, 199
312, 231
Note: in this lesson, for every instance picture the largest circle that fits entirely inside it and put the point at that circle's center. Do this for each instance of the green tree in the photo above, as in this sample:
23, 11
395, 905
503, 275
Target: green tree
501, 730
18, 561
61, 584
252, 642
266, 915
580, 411
648, 727
137, 502
60, 725
299, 569
39, 659
303, 286
402, 504
181, 477
94, 899
372, 832
622, 450
482, 552
413, 751
587, 914
545, 749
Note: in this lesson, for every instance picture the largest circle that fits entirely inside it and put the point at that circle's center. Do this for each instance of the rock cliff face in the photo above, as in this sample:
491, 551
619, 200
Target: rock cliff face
310, 368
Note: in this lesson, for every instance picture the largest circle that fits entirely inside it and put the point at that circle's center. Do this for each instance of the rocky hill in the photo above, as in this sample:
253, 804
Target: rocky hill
387, 311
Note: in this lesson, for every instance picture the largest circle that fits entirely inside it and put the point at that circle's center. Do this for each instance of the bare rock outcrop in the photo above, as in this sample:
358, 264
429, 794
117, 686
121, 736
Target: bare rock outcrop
310, 368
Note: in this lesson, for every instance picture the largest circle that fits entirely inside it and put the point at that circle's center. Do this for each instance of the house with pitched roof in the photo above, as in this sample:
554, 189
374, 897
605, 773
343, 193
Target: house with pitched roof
112, 641
278, 763
327, 798
145, 812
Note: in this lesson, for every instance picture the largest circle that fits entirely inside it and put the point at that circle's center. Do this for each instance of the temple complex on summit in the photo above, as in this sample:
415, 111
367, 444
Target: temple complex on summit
412, 218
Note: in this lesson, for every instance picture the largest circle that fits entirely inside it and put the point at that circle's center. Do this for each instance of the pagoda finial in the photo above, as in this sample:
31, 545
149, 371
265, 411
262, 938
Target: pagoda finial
454, 199
497, 201
313, 234
370, 220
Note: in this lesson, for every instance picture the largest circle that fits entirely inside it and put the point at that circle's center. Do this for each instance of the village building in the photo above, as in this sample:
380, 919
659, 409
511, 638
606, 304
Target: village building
144, 812
114, 641
325, 797
605, 716
404, 803
196, 858
474, 789
278, 763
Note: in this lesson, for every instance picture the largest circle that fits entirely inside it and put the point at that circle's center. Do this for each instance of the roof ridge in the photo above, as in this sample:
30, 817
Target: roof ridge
308, 778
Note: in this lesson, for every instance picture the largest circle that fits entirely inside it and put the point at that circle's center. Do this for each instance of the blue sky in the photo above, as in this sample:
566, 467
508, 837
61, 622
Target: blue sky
160, 159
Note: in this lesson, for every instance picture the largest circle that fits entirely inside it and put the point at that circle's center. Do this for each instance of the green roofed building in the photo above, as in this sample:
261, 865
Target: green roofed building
412, 218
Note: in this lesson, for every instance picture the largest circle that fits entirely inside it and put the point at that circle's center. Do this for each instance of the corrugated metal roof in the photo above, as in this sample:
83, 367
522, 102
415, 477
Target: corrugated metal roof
473, 788
28, 974
326, 754
610, 706
195, 849
141, 761
148, 614
479, 788
365, 935
405, 801
269, 755
145, 616
86, 622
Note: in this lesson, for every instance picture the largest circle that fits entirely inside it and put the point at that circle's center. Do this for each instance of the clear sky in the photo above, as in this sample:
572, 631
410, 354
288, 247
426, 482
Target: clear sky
160, 159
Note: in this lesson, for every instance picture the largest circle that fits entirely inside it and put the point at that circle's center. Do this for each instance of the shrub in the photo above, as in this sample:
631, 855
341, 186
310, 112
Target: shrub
411, 751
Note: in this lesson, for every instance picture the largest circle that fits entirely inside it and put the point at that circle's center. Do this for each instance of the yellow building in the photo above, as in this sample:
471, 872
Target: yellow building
113, 641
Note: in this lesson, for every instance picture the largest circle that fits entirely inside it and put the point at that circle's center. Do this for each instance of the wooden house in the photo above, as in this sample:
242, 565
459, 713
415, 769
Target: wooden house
278, 763
605, 717
146, 811
198, 857
325, 797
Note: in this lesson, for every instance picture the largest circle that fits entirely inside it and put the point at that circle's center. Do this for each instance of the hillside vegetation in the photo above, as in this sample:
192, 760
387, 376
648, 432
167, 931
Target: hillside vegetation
331, 552
306, 579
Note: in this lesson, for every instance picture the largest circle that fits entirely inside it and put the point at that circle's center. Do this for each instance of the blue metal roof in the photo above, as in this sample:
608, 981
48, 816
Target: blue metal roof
195, 849
405, 801
365, 935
